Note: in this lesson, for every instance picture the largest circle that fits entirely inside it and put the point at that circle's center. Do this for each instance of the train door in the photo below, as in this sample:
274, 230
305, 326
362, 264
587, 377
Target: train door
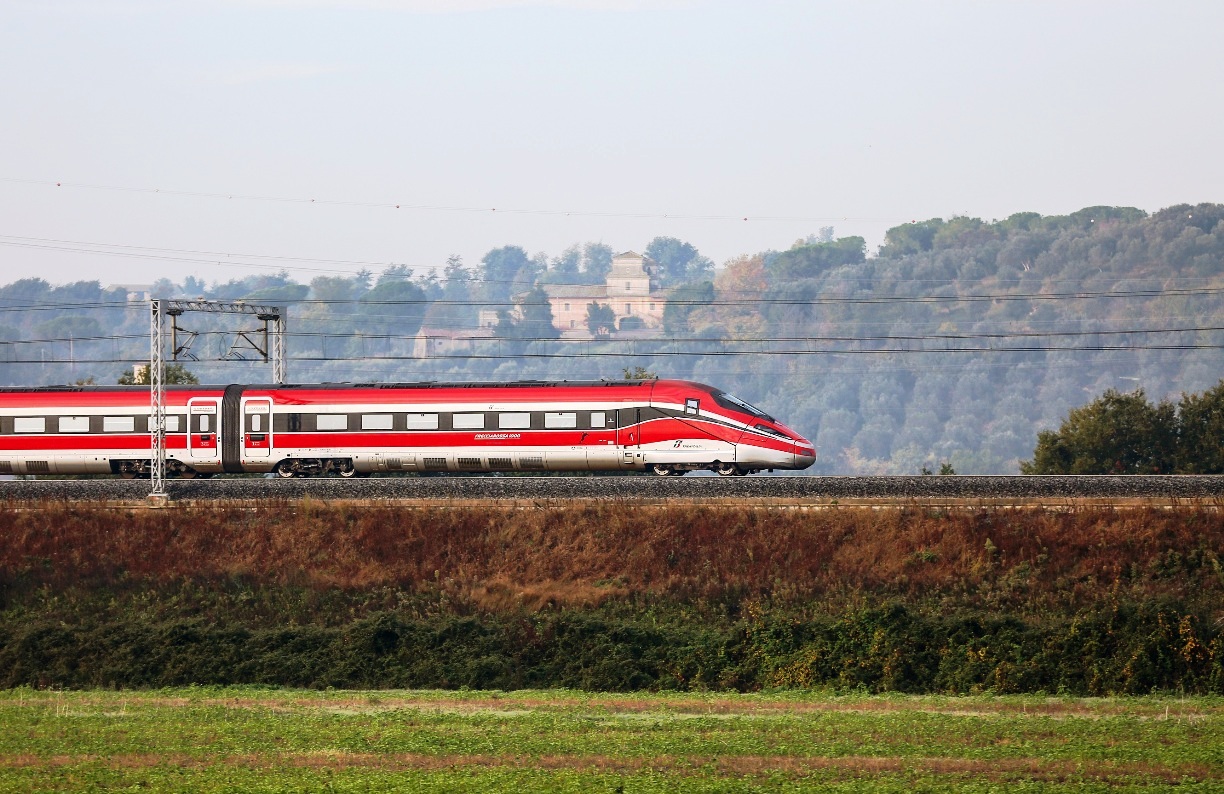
601, 450
202, 429
256, 427
629, 436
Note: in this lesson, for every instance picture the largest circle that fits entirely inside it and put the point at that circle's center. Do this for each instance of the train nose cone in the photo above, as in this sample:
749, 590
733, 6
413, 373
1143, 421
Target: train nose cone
805, 455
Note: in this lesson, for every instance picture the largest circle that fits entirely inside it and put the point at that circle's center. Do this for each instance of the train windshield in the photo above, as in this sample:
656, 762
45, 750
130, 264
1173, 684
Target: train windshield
773, 431
735, 403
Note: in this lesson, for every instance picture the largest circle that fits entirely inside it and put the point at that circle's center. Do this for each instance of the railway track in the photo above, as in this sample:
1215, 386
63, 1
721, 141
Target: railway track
793, 490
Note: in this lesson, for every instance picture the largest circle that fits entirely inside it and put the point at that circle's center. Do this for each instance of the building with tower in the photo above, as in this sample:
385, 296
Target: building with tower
631, 290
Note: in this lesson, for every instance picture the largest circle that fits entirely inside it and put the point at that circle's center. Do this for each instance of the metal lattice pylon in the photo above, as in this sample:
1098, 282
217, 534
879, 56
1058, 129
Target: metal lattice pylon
273, 350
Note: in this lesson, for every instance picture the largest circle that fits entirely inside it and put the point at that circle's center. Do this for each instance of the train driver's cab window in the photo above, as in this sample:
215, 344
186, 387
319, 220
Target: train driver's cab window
29, 424
691, 405
74, 424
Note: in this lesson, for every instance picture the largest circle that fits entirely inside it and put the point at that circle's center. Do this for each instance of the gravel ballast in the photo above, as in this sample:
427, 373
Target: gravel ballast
643, 488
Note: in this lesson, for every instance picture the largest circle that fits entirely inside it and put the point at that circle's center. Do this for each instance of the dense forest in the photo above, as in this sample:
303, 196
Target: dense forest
956, 342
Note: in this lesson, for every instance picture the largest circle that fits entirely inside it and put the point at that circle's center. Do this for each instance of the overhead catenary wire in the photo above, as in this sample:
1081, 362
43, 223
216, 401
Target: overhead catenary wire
672, 353
283, 262
819, 300
659, 340
468, 209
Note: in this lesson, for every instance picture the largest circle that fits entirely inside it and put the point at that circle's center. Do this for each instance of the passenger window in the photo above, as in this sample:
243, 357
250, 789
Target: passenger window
172, 424
598, 420
515, 421
377, 422
126, 423
255, 423
468, 421
204, 423
29, 424
74, 424
560, 421
422, 421
332, 422
691, 405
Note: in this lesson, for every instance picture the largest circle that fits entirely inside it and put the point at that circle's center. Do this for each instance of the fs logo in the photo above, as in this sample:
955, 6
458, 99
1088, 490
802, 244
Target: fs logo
676, 445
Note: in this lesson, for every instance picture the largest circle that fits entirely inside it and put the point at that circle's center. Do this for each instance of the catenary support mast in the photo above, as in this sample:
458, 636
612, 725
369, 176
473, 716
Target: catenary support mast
272, 349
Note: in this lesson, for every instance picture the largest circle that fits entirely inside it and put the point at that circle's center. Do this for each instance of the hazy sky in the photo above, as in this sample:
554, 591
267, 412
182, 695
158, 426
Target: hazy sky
577, 120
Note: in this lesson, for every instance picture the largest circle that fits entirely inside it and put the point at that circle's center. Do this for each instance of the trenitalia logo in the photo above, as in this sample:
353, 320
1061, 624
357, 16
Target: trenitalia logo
496, 436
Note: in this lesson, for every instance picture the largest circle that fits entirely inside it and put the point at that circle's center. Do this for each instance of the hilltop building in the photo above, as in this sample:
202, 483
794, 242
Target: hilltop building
631, 290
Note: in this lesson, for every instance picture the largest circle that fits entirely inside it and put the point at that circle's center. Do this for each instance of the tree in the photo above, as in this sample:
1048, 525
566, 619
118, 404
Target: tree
535, 319
332, 288
537, 316
678, 261
596, 262
194, 287
1200, 448
1115, 434
809, 261
564, 269
399, 300
394, 273
174, 374
639, 373
911, 238
26, 290
600, 318
500, 270
825, 235
682, 302
430, 284
68, 326
283, 293
457, 311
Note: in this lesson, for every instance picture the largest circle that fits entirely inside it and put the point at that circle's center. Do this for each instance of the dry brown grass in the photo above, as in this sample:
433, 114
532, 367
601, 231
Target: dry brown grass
583, 555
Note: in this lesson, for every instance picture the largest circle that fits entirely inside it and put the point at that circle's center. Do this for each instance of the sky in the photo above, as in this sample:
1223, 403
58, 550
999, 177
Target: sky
218, 139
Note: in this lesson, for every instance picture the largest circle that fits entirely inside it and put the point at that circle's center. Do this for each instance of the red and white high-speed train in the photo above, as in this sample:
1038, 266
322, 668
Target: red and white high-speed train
665, 426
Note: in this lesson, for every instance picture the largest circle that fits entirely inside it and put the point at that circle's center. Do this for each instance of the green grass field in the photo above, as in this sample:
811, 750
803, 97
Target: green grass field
255, 739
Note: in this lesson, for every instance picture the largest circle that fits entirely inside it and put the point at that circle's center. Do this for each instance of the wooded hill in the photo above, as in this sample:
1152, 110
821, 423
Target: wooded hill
957, 342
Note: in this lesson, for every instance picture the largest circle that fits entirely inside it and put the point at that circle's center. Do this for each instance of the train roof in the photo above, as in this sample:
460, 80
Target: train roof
429, 384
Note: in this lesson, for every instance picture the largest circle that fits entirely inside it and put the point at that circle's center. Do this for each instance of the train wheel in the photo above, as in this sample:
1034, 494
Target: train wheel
662, 469
283, 470
347, 470
728, 470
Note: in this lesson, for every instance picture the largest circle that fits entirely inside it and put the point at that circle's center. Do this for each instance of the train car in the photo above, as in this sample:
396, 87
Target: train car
665, 426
